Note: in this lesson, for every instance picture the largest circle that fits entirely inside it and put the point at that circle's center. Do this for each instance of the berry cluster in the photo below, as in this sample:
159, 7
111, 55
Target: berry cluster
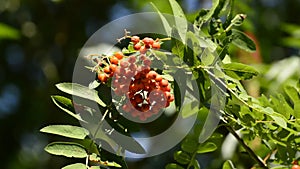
146, 43
107, 70
145, 91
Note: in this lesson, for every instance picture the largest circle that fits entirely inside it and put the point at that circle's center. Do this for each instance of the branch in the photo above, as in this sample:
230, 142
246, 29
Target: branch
260, 162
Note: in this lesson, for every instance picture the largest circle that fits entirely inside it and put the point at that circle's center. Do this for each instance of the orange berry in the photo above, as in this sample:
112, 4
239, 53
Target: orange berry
119, 55
114, 60
131, 59
143, 49
113, 67
296, 166
102, 77
158, 78
135, 39
137, 46
151, 75
148, 42
156, 45
106, 70
126, 107
147, 62
163, 83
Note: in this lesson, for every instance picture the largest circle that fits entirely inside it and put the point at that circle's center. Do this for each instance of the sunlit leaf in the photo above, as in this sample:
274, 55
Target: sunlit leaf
239, 71
297, 109
182, 157
75, 166
228, 165
189, 145
66, 131
207, 147
66, 105
164, 21
180, 20
242, 41
292, 93
190, 109
211, 11
80, 91
67, 149
173, 166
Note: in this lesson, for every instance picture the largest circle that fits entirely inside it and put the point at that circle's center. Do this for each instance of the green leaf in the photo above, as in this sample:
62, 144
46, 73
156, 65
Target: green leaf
182, 157
8, 32
242, 41
228, 165
194, 47
196, 164
207, 147
67, 131
297, 109
239, 71
209, 15
190, 109
66, 105
67, 149
177, 45
164, 21
292, 93
208, 58
283, 107
189, 145
278, 118
180, 20
173, 166
81, 91
75, 166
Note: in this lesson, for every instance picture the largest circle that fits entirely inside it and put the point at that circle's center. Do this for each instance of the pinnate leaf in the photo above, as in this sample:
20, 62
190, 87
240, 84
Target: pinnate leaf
228, 165
207, 147
67, 149
66, 131
75, 166
242, 41
80, 91
239, 71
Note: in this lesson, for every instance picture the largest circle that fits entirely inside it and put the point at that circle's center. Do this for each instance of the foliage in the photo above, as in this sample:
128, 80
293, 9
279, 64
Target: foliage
274, 119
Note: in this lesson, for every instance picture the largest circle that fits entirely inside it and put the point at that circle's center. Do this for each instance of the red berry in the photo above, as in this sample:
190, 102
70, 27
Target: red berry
163, 83
158, 78
148, 42
126, 107
113, 67
171, 98
296, 166
135, 39
124, 64
114, 60
151, 75
119, 55
131, 59
156, 45
102, 77
106, 70
137, 46
138, 98
143, 50
147, 62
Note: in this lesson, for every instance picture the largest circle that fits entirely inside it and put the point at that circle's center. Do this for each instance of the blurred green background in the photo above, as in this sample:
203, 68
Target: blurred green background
40, 41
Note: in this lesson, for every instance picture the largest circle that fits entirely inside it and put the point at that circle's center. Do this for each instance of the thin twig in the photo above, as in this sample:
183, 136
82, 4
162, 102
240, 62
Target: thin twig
260, 162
